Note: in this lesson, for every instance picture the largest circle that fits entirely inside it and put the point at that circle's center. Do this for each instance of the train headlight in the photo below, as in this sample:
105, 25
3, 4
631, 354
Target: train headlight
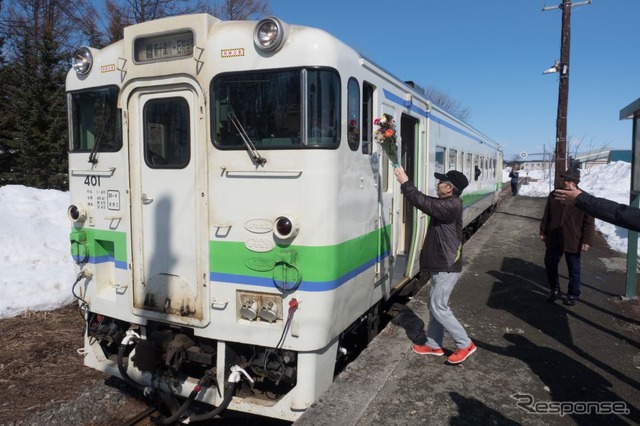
286, 227
82, 60
269, 34
76, 213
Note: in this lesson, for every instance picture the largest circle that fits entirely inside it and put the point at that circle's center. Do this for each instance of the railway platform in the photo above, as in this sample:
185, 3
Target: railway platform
537, 363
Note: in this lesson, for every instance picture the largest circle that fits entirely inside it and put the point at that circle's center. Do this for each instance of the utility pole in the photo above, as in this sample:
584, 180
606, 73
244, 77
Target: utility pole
562, 67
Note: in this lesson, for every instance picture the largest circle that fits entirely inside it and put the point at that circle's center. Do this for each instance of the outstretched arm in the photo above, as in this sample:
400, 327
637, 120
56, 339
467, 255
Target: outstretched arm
618, 214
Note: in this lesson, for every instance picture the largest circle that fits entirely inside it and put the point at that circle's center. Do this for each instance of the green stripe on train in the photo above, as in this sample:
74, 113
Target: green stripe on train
320, 263
100, 243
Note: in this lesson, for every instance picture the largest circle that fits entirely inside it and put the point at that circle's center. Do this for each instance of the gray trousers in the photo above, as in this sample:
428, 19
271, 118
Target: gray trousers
440, 316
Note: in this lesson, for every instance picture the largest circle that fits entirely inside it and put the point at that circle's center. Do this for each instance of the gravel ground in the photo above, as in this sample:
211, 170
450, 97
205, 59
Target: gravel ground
44, 382
106, 403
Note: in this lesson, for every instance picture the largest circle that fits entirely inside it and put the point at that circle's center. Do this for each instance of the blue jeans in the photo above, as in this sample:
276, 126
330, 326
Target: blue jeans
440, 316
514, 188
551, 261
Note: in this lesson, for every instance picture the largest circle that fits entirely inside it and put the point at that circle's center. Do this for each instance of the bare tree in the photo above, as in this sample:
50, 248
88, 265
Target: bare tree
238, 10
598, 153
117, 21
443, 100
122, 13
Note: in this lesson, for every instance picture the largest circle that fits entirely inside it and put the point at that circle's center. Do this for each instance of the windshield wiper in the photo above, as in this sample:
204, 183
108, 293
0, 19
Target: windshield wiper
251, 149
93, 157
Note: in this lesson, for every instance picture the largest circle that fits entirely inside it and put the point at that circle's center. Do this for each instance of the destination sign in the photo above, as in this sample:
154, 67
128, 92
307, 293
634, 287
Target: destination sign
167, 46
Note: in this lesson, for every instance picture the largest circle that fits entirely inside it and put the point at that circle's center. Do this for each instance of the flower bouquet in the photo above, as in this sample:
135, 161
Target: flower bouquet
386, 137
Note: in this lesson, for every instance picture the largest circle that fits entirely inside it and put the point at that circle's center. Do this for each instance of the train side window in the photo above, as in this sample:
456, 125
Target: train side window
167, 133
440, 151
453, 159
353, 114
367, 118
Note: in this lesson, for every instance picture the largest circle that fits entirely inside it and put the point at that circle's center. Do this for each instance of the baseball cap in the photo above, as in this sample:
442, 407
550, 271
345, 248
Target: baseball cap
571, 174
456, 178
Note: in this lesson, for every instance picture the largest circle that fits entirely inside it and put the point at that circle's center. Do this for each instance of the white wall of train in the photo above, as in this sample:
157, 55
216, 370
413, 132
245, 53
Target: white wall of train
228, 271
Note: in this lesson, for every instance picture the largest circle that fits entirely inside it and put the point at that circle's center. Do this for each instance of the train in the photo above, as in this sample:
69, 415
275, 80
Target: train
234, 220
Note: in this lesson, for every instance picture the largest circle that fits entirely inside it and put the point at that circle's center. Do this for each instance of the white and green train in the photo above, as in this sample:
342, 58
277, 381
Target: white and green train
234, 219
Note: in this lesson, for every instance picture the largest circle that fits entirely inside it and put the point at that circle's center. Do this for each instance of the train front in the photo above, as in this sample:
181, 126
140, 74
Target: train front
219, 259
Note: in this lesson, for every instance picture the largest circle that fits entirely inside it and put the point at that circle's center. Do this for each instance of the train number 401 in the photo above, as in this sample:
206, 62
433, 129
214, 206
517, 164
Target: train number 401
92, 181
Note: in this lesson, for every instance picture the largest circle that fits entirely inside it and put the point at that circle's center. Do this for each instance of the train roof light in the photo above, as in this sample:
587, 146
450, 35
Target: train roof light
82, 60
269, 34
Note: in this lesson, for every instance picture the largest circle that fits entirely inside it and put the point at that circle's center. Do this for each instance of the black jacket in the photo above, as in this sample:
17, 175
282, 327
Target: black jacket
618, 214
442, 249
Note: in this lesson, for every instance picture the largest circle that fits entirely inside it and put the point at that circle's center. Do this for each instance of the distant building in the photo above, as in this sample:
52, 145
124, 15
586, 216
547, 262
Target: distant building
583, 160
601, 156
531, 162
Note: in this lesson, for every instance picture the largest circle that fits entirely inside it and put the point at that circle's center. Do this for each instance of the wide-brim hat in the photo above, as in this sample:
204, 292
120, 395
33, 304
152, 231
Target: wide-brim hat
456, 178
571, 174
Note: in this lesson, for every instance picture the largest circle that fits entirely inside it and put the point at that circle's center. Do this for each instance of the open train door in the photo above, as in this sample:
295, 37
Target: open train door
169, 204
408, 243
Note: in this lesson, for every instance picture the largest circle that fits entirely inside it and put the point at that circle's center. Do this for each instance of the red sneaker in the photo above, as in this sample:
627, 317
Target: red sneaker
460, 355
426, 350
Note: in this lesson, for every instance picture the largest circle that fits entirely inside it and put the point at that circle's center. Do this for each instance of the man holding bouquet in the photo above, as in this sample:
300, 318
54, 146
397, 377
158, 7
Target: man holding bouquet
441, 256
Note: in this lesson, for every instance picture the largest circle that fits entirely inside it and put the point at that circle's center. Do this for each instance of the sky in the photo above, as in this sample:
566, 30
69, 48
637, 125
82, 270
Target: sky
38, 271
489, 56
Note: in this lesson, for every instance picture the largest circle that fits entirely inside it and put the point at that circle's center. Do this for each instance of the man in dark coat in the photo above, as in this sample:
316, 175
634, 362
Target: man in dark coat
566, 230
627, 217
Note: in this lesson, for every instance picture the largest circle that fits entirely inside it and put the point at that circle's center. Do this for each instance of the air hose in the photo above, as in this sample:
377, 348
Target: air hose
183, 408
130, 339
208, 378
234, 378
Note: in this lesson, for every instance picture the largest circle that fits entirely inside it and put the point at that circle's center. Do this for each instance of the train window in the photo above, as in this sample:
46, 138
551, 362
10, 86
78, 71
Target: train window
440, 159
367, 118
268, 106
167, 133
95, 120
353, 114
323, 108
469, 166
453, 159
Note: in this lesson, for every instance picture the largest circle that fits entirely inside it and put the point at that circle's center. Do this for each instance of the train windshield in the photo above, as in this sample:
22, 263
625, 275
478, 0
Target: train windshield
294, 108
94, 121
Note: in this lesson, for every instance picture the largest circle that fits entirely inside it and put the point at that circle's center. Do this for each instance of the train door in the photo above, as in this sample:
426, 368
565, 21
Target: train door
168, 205
387, 242
408, 134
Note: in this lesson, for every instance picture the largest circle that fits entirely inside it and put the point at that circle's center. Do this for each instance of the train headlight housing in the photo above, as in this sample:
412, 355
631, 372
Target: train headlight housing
269, 34
286, 227
82, 60
77, 214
